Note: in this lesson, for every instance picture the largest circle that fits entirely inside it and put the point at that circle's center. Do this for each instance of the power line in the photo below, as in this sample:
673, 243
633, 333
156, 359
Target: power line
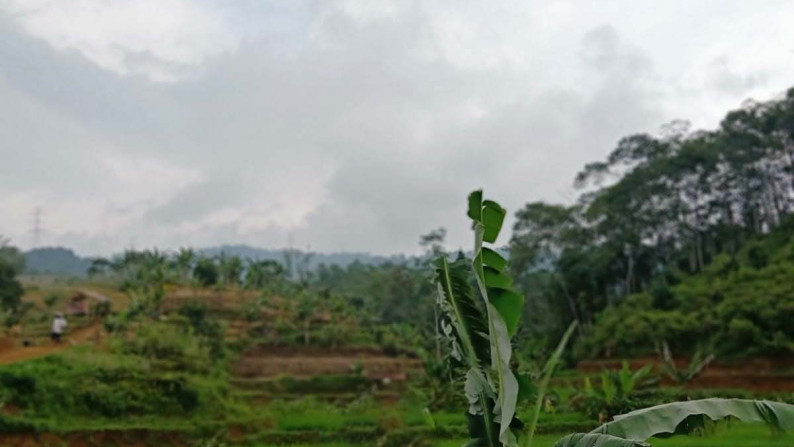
37, 227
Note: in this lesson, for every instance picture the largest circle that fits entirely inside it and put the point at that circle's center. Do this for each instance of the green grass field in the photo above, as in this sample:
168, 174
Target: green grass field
157, 382
735, 435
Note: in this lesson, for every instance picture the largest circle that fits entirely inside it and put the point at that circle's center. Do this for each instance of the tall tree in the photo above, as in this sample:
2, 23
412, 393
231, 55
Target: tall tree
11, 264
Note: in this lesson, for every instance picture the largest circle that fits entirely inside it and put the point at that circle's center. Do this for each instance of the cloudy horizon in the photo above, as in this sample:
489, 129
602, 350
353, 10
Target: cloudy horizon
344, 125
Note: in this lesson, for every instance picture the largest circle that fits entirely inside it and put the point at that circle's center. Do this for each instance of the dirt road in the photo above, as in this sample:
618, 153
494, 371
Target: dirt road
14, 354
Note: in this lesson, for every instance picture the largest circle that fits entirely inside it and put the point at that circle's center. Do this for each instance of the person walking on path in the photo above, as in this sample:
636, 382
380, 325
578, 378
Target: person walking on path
58, 326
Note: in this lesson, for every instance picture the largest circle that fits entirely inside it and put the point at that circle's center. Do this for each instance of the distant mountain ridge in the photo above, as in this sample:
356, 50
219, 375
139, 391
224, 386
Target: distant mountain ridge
59, 261
62, 261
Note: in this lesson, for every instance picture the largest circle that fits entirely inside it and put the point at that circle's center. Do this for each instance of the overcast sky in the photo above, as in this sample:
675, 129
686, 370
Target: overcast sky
350, 125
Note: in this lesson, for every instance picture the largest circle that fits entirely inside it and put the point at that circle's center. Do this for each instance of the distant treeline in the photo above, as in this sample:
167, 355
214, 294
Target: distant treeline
62, 261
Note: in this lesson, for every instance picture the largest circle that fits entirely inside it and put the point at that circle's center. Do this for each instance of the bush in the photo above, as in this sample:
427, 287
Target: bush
170, 346
207, 329
614, 393
52, 299
206, 272
94, 385
11, 290
390, 421
737, 305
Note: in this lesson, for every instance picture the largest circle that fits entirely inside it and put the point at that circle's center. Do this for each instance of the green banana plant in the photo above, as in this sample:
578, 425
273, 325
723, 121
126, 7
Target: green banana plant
481, 313
635, 428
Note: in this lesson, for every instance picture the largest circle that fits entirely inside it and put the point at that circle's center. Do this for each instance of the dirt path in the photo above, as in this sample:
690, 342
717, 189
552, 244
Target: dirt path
19, 353
263, 362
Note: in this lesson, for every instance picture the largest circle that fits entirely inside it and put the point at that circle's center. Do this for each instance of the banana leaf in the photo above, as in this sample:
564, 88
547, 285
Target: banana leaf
680, 417
597, 440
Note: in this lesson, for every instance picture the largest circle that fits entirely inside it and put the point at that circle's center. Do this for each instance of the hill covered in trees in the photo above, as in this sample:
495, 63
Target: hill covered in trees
740, 303
682, 237
55, 261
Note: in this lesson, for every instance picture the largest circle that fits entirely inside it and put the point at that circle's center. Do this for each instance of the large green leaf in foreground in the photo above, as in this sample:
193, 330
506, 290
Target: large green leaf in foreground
633, 429
597, 440
544, 383
677, 417
470, 344
491, 280
457, 302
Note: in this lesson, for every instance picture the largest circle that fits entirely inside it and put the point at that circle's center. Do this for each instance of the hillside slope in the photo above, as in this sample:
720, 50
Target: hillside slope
739, 305
57, 261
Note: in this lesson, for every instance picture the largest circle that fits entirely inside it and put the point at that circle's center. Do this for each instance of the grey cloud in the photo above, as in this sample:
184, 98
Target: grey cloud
67, 81
603, 49
727, 80
366, 123
144, 62
219, 191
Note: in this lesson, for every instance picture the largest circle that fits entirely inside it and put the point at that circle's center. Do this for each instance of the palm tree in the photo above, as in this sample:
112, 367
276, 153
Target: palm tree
231, 269
262, 274
183, 262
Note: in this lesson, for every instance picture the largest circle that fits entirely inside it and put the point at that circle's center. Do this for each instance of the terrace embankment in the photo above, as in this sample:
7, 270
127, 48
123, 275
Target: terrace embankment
306, 362
760, 374
118, 438
11, 350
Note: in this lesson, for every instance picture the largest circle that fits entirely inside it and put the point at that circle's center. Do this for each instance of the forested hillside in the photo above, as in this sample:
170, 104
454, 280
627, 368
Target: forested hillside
739, 304
55, 261
683, 237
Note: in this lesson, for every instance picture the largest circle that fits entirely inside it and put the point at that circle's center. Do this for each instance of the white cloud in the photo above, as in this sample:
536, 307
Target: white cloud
157, 38
347, 124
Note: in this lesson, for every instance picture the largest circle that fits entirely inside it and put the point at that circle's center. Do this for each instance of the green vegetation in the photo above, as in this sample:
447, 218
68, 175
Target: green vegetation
483, 328
676, 238
721, 306
615, 392
492, 389
729, 435
169, 366
161, 369
685, 252
11, 264
83, 385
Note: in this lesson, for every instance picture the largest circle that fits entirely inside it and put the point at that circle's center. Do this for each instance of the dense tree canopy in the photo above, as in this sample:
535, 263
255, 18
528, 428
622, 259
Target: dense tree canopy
657, 210
12, 262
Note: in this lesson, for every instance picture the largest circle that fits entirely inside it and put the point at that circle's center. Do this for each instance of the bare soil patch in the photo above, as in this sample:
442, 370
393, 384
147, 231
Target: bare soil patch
119, 438
12, 351
763, 374
305, 362
216, 300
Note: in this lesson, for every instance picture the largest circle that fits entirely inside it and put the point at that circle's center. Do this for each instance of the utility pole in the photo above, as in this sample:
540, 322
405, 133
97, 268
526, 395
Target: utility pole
289, 257
36, 230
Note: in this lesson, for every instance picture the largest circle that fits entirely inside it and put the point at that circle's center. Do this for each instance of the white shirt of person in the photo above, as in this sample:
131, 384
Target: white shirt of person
58, 325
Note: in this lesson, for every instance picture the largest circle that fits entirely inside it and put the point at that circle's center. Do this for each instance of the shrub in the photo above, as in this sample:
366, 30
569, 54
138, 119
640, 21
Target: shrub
208, 330
738, 305
206, 272
51, 299
94, 385
11, 290
390, 421
614, 392
171, 346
